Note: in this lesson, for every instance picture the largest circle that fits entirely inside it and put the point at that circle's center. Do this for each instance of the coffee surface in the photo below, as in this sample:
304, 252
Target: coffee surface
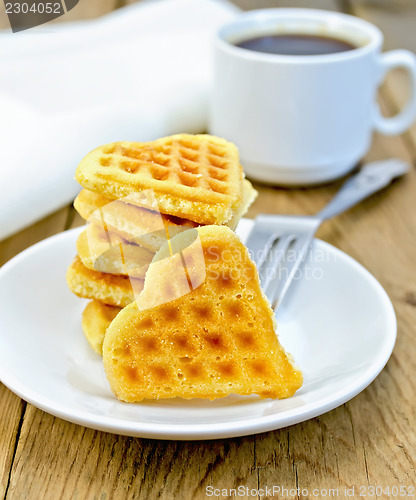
296, 45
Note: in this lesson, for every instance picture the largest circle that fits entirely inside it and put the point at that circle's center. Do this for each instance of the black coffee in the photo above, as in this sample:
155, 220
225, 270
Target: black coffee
296, 45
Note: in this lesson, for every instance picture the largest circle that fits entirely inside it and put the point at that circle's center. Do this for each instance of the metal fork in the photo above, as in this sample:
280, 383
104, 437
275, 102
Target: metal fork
279, 244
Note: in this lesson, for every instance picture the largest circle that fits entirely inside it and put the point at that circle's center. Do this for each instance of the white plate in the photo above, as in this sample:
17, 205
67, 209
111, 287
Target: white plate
337, 322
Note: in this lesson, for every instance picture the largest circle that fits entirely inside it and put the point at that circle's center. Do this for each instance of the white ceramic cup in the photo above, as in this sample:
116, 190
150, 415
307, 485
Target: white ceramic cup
301, 120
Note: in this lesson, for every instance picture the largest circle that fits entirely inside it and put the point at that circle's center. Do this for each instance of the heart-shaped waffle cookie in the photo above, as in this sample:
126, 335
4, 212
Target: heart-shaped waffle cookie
195, 177
112, 289
96, 318
134, 224
217, 339
104, 251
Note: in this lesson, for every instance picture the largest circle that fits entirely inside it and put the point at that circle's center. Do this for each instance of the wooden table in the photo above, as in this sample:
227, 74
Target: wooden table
369, 441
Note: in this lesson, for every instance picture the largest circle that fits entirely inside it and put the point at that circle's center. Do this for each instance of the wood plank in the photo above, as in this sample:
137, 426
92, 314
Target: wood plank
86, 9
356, 452
48, 226
266, 4
397, 24
384, 5
83, 463
382, 415
74, 219
12, 408
387, 250
90, 9
370, 439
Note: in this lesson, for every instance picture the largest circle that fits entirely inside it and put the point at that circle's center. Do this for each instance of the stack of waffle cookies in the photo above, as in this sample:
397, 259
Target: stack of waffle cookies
136, 197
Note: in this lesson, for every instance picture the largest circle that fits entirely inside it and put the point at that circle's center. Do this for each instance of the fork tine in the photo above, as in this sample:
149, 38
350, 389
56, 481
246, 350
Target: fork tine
287, 269
268, 271
262, 255
269, 240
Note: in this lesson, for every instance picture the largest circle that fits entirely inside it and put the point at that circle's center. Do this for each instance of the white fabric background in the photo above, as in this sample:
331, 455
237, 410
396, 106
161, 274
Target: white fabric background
139, 73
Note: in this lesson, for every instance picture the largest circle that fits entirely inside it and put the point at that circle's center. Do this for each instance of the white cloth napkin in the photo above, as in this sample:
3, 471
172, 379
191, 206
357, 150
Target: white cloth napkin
138, 73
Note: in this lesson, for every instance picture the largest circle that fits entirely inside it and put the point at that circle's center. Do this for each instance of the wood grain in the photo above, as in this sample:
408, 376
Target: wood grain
12, 408
398, 28
89, 10
85, 9
369, 440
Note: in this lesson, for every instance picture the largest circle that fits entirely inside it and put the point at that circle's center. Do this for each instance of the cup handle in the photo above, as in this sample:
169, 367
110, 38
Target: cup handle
404, 119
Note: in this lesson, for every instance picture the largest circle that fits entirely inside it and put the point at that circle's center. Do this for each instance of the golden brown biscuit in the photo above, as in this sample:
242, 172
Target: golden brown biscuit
195, 177
107, 252
96, 318
111, 289
216, 340
249, 194
146, 228
87, 202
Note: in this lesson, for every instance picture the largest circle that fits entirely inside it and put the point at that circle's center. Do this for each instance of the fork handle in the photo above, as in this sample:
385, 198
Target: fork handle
370, 179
